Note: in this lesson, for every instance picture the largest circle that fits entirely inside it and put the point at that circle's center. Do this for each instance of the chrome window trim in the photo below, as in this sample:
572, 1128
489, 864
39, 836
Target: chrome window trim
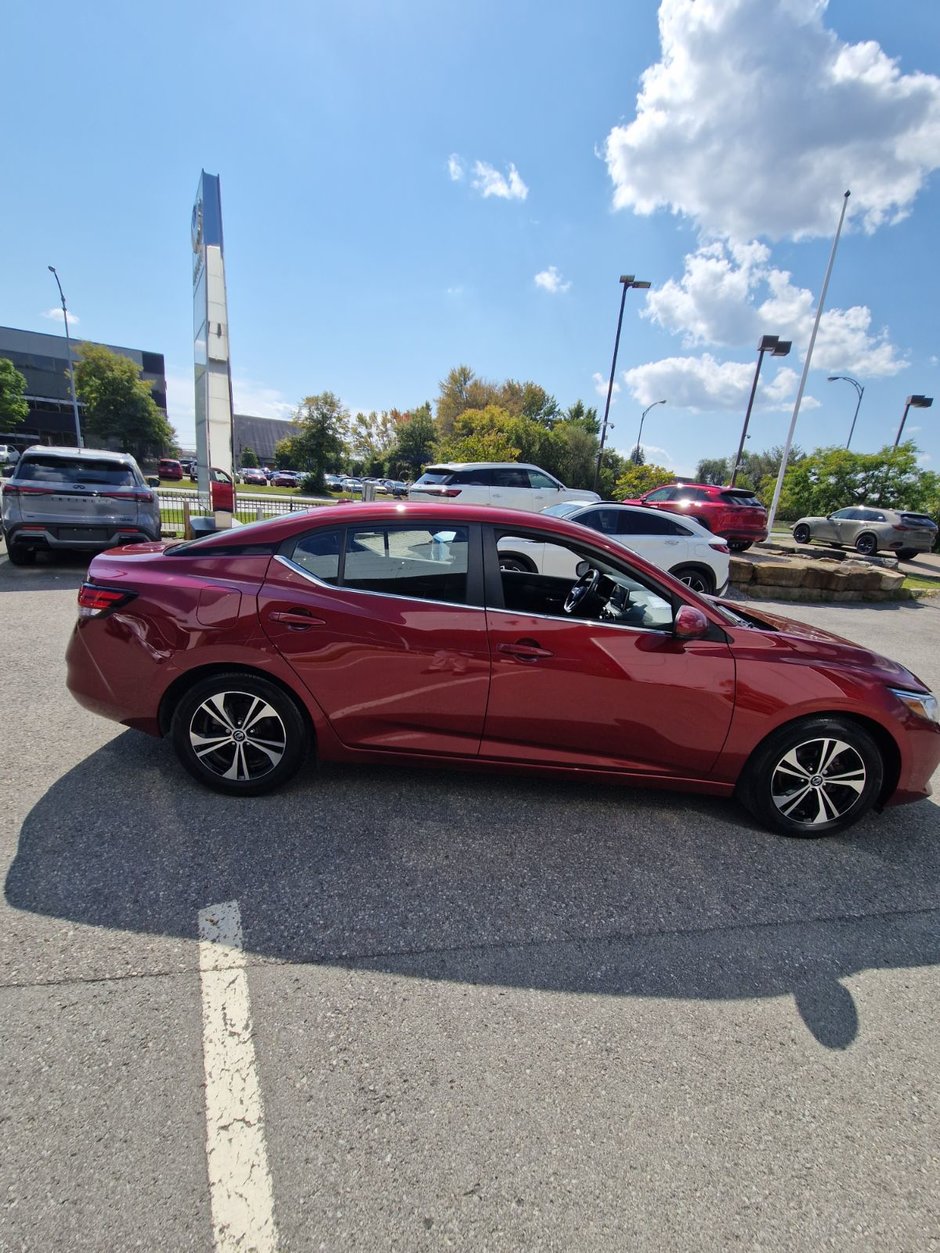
366, 591
553, 617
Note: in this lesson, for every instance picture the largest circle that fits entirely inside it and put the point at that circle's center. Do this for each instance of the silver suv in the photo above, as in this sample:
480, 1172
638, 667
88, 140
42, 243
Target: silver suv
78, 500
513, 484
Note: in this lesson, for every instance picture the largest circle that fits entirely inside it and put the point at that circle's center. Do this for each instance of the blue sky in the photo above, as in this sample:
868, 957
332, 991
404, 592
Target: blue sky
409, 187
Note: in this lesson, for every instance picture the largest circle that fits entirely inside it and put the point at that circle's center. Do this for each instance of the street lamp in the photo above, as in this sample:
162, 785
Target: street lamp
68, 348
834, 378
777, 348
636, 451
917, 402
628, 281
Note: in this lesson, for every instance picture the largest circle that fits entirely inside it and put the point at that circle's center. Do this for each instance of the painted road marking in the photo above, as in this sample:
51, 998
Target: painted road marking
239, 1179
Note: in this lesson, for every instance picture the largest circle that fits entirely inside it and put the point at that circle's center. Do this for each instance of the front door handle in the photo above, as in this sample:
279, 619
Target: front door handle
296, 619
524, 650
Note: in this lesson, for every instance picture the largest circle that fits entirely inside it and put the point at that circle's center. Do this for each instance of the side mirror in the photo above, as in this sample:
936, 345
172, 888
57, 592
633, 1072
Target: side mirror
153, 480
690, 624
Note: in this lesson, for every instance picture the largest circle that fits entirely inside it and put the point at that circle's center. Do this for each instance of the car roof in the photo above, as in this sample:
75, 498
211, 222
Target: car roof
480, 465
58, 450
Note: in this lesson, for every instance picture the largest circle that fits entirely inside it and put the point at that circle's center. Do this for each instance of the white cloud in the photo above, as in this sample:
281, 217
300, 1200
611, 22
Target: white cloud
757, 118
601, 384
455, 167
259, 400
55, 315
551, 281
703, 384
490, 182
250, 397
730, 294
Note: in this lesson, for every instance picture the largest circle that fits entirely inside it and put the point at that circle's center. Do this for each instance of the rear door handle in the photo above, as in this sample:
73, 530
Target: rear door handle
296, 619
524, 650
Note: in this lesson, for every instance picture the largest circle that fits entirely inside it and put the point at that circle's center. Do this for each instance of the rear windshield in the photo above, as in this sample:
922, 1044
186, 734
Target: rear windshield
917, 519
740, 498
86, 470
435, 476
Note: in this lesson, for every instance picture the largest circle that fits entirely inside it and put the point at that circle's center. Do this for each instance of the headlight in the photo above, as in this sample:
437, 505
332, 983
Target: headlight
923, 704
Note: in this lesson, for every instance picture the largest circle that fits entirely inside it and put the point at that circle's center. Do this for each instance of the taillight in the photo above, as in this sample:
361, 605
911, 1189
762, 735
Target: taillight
718, 546
95, 601
438, 491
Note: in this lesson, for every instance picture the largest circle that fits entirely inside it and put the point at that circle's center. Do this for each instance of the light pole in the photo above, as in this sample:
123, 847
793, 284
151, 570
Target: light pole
628, 281
916, 402
845, 378
68, 348
777, 348
636, 452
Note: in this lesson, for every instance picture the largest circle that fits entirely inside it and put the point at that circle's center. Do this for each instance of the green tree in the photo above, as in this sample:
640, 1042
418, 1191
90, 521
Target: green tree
462, 390
317, 444
575, 447
249, 458
481, 435
579, 415
371, 438
635, 480
118, 404
832, 478
414, 442
638, 456
713, 470
14, 408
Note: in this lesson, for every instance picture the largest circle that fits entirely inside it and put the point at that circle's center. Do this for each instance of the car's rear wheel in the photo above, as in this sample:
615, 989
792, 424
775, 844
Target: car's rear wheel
802, 533
813, 778
702, 581
239, 734
739, 545
866, 544
20, 554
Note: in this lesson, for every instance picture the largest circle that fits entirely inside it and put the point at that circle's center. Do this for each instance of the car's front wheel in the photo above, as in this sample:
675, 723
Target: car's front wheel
907, 554
813, 778
240, 734
802, 533
701, 581
739, 545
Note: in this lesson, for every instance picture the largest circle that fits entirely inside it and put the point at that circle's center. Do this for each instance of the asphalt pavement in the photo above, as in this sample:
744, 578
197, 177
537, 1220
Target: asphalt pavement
487, 1013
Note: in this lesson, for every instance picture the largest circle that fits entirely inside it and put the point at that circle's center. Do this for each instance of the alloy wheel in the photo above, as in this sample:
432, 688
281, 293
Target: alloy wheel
237, 736
818, 781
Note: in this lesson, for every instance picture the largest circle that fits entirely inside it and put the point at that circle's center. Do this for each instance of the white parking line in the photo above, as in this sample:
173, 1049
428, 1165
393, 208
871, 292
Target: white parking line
239, 1179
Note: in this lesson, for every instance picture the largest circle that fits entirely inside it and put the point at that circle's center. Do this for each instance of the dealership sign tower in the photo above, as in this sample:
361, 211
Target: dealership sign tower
213, 374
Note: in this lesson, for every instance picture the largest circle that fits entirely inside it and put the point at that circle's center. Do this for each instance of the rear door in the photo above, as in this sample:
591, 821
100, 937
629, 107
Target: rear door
386, 628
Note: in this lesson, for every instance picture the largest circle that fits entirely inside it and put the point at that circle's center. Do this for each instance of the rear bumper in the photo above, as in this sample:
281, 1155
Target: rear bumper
74, 539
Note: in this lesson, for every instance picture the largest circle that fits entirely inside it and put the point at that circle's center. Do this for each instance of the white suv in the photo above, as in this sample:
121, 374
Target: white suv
512, 484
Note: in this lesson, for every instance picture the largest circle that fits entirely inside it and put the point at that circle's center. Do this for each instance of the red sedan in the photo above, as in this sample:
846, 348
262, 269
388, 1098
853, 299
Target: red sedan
390, 632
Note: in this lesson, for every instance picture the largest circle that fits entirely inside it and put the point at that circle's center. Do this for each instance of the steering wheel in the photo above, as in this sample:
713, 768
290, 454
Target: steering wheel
580, 591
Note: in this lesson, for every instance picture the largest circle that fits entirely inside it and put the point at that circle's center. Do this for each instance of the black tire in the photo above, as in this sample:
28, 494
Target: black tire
509, 561
866, 544
694, 577
802, 533
209, 739
20, 554
907, 554
739, 545
813, 778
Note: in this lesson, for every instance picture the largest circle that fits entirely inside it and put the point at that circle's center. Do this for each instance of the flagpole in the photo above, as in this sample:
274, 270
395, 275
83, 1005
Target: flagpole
806, 364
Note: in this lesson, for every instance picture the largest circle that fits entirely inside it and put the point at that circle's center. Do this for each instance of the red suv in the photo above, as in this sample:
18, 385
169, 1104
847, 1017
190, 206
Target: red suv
734, 512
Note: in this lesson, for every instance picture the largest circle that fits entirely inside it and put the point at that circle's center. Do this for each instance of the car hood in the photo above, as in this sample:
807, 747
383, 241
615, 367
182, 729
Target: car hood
788, 635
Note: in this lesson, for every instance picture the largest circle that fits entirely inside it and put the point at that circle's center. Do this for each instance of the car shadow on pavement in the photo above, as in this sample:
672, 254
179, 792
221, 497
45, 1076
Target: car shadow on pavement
515, 882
